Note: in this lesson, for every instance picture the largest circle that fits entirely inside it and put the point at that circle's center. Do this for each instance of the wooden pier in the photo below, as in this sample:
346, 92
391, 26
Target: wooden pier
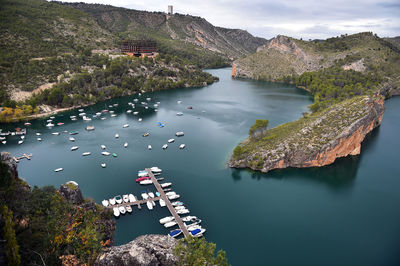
162, 196
25, 156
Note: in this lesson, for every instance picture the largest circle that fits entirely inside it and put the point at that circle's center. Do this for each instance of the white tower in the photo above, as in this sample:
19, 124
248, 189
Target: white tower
170, 10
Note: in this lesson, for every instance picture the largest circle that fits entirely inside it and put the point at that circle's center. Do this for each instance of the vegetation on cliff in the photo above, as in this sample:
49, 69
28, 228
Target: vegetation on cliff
47, 225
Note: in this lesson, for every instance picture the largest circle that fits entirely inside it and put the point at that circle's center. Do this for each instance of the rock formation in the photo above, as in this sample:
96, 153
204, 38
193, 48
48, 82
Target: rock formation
144, 250
6, 158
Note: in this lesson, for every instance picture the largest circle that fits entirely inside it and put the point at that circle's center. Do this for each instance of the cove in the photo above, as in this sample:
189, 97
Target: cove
342, 214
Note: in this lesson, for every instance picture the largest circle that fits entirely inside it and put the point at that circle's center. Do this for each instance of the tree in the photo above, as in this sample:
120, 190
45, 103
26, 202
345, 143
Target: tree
194, 251
12, 252
259, 125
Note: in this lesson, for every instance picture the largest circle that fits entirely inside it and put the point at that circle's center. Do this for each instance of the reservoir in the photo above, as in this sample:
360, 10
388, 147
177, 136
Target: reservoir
343, 214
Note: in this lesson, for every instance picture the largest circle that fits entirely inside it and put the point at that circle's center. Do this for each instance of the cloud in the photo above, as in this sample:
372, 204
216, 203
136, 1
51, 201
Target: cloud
306, 19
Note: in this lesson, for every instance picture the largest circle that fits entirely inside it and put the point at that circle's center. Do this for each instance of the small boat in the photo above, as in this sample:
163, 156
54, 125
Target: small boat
86, 153
98, 113
39, 139
149, 205
184, 211
112, 201
72, 116
27, 124
148, 99
151, 194
129, 111
103, 165
172, 197
170, 224
165, 146
179, 113
90, 128
135, 113
166, 219
158, 194
52, 117
20, 142
60, 124
128, 208
103, 146
195, 233
49, 121
73, 132
116, 136
155, 169
162, 203
50, 125
38, 134
171, 140
74, 148
149, 147
175, 233
114, 154
190, 107
135, 100
155, 110
105, 203
179, 102
167, 189
115, 104
118, 199
125, 126
113, 115
140, 120
85, 118
82, 114
105, 153
160, 124
22, 137
72, 139
81, 110
146, 134
122, 209
132, 198
146, 182
144, 195
160, 179
170, 193
126, 144
179, 134
58, 170
125, 198
103, 118
142, 178
167, 184
56, 133
182, 146
141, 174
177, 203
180, 208
189, 218
74, 119
116, 211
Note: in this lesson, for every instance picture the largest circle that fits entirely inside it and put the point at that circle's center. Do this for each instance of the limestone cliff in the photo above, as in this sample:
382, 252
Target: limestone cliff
316, 140
144, 250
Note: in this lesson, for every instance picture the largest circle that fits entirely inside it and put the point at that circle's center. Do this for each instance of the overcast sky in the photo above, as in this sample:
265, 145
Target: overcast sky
307, 19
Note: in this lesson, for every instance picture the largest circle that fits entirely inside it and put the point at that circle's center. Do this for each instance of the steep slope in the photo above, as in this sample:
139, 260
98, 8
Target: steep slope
233, 43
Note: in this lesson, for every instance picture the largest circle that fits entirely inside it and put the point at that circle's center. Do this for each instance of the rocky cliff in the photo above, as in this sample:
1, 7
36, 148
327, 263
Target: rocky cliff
144, 250
316, 140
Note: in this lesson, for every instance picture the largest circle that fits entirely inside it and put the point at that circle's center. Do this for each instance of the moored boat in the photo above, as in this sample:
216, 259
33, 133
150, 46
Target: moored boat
146, 182
179, 134
149, 205
144, 195
149, 147
184, 211
189, 218
125, 198
58, 169
146, 134
86, 153
126, 144
74, 148
172, 197
132, 198
56, 133
162, 203
166, 219
103, 146
112, 201
105, 203
116, 211
182, 146
167, 184
103, 165
116, 135
165, 146
71, 139
105, 153
122, 209
142, 178
125, 126
118, 199
114, 155
175, 233
170, 224
128, 208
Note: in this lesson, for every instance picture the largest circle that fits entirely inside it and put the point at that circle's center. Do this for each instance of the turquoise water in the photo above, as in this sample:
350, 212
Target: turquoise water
343, 214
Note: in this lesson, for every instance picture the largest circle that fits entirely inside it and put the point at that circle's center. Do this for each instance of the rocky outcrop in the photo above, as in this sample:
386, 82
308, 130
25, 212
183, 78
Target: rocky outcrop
314, 141
71, 192
144, 250
6, 158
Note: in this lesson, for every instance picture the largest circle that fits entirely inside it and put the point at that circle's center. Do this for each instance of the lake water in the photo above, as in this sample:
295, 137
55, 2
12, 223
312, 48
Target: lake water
344, 214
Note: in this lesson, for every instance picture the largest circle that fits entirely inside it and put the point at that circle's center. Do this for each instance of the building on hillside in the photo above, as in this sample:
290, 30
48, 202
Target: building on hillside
170, 10
139, 47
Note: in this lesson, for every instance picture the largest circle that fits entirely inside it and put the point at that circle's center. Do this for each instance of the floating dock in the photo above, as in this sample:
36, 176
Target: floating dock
25, 156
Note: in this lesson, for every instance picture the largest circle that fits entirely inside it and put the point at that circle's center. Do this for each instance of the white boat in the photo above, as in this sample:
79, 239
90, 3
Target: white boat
172, 197
151, 194
129, 111
56, 133
135, 113
90, 128
105, 203
81, 110
85, 118
166, 219
98, 114
149, 147
58, 170
72, 139
148, 99
189, 218
82, 114
22, 137
50, 125
20, 142
125, 126
155, 110
118, 199
103, 146
113, 115
140, 119
125, 198
170, 193
179, 134
38, 134
74, 119
180, 208
146, 182
177, 203
116, 211
149, 205
182, 146
103, 165
135, 100
105, 153
115, 104
167, 184
179, 113
39, 139
197, 233
86, 153
74, 148
132, 198
128, 208
112, 201
103, 118
165, 146
126, 144
162, 203
145, 196
184, 211
171, 140
122, 209
170, 224
155, 169
116, 136
141, 174
179, 102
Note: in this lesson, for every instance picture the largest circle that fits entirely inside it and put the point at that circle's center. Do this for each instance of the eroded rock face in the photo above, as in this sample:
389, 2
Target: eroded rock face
72, 193
6, 158
300, 150
144, 250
